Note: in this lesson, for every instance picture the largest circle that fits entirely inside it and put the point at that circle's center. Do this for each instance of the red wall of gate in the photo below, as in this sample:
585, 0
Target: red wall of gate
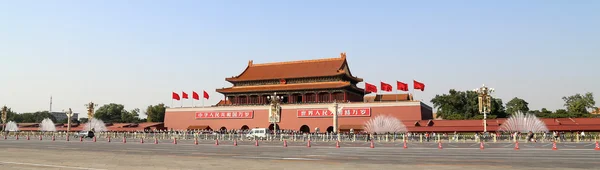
182, 118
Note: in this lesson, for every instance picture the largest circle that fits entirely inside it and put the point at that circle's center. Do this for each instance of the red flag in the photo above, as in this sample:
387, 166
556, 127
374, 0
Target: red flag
206, 95
176, 96
386, 87
418, 85
402, 86
195, 95
184, 95
370, 88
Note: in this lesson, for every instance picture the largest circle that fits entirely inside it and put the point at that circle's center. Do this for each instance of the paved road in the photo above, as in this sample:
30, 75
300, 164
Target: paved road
46, 154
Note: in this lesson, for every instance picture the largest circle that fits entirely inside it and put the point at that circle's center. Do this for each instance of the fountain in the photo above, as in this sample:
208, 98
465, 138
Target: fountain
47, 125
12, 127
520, 122
96, 124
385, 124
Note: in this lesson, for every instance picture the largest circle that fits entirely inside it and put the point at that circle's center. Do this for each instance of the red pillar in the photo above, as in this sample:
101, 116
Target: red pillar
303, 98
330, 99
317, 97
345, 96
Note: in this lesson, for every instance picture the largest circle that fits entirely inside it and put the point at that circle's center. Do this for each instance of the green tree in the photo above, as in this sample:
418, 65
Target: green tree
156, 113
131, 116
36, 117
517, 105
580, 105
464, 105
82, 120
111, 113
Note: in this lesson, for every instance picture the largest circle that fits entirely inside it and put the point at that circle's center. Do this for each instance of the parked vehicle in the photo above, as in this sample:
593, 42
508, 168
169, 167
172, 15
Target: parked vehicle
257, 133
86, 134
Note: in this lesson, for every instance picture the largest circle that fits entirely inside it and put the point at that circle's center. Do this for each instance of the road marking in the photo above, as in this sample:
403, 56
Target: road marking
276, 158
304, 159
47, 165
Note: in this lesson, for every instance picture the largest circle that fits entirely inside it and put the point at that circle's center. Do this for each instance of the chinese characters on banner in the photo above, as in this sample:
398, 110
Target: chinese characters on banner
346, 112
225, 115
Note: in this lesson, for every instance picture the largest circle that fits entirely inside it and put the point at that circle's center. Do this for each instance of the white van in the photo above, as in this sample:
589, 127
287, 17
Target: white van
257, 133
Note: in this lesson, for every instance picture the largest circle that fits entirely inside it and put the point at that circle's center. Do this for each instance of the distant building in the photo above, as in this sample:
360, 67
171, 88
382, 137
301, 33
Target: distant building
596, 112
60, 116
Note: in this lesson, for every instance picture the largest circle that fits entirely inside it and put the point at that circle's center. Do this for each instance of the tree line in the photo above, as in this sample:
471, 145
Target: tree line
461, 105
108, 113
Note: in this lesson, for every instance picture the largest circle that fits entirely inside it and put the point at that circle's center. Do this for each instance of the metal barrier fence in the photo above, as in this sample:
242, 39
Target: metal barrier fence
324, 137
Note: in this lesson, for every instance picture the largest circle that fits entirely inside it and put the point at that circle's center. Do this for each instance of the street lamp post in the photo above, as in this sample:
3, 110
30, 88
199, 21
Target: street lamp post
90, 108
4, 117
69, 114
335, 110
275, 108
485, 103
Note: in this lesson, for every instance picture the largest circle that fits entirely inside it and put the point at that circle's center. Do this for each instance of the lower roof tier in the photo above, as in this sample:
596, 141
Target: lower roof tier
291, 87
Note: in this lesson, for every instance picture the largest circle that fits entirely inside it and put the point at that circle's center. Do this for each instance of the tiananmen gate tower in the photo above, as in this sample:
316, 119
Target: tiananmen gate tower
307, 89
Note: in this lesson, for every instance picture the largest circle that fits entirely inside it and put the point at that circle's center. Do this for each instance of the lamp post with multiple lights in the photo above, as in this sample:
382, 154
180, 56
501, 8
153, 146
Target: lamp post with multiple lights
274, 110
90, 108
485, 102
4, 117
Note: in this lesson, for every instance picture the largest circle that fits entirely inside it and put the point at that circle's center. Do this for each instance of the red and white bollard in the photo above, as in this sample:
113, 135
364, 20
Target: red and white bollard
94, 140
196, 141
175, 141
40, 137
155, 141
308, 144
481, 146
285, 143
554, 146
256, 143
517, 145
235, 142
108, 139
124, 139
141, 140
337, 144
405, 145
80, 139
53, 138
372, 144
27, 137
440, 145
17, 137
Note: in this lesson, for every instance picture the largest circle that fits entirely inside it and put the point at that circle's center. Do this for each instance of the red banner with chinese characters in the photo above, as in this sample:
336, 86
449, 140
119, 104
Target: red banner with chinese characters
346, 112
225, 115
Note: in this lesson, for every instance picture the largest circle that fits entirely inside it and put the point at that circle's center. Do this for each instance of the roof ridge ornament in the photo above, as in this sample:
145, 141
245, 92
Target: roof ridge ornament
250, 63
343, 55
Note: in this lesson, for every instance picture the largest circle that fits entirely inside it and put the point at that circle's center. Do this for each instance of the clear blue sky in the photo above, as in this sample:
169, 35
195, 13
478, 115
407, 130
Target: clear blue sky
136, 52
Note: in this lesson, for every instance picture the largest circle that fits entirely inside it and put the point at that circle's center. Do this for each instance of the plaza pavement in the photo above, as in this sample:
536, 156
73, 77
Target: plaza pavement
60, 154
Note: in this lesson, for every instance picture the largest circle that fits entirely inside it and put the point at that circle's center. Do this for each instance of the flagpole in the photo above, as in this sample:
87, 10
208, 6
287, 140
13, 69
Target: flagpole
413, 90
182, 99
397, 91
365, 93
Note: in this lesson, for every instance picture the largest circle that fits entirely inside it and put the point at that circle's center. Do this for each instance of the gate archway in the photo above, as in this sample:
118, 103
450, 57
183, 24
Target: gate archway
304, 129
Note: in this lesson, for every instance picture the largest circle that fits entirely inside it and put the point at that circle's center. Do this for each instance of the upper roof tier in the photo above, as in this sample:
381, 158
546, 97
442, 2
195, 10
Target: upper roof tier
296, 69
